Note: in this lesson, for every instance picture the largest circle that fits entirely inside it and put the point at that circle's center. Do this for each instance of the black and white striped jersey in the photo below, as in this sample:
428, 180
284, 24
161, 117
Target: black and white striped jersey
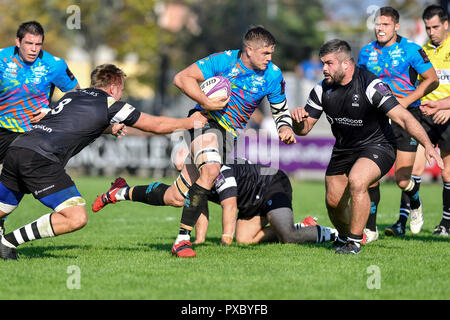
77, 120
356, 111
248, 182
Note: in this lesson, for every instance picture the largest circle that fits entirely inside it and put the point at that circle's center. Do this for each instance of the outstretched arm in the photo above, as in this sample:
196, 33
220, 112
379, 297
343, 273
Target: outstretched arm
164, 125
302, 123
407, 121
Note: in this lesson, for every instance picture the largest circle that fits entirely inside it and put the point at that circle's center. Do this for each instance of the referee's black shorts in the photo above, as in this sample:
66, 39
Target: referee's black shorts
406, 142
342, 161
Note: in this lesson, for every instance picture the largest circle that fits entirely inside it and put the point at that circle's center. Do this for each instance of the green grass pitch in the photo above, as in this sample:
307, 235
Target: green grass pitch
124, 253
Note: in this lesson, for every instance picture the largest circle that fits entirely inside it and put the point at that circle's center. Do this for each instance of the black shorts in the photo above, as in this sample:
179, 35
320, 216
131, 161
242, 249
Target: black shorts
406, 142
278, 195
438, 134
225, 139
342, 161
27, 171
6, 137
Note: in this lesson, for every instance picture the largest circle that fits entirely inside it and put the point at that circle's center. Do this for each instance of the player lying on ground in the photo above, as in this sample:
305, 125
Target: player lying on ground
35, 161
261, 194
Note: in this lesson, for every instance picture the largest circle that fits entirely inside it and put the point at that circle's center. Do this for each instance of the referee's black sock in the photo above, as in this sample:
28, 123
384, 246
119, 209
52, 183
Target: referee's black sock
374, 194
152, 194
445, 221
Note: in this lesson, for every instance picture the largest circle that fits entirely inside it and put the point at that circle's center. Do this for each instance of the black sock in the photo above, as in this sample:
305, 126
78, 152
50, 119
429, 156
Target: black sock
196, 202
355, 238
152, 194
413, 193
374, 194
446, 206
405, 209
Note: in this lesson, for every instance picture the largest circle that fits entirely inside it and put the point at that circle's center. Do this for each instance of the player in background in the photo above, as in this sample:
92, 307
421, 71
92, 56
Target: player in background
259, 193
358, 106
28, 76
437, 49
35, 160
253, 77
397, 62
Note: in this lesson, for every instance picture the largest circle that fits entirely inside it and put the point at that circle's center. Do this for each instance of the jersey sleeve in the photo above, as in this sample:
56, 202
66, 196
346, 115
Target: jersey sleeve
381, 96
418, 58
64, 79
213, 64
226, 185
277, 88
314, 102
122, 112
362, 59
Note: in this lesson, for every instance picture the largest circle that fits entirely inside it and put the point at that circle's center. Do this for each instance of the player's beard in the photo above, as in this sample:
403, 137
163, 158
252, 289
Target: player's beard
336, 77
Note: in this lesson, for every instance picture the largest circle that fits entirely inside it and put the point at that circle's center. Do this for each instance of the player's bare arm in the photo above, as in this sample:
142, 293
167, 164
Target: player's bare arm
165, 125
188, 80
117, 129
431, 107
302, 123
407, 121
429, 83
229, 214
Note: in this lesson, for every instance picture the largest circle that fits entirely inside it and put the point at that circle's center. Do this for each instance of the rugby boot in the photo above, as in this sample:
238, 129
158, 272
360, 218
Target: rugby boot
183, 249
350, 247
6, 252
395, 230
416, 220
110, 196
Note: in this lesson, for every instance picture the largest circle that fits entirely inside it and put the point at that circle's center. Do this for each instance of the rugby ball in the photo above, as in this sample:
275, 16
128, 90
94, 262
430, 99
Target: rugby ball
216, 87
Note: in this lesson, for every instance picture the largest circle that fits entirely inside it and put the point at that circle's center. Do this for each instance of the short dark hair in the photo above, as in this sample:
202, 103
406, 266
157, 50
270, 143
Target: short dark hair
434, 10
335, 46
32, 27
105, 75
258, 34
388, 12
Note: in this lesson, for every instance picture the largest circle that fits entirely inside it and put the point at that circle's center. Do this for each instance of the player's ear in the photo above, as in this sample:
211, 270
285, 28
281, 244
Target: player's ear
446, 24
17, 42
397, 27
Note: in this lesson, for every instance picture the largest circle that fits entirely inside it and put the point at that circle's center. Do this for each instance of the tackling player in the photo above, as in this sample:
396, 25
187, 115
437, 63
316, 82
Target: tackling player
261, 194
253, 77
358, 106
35, 161
398, 61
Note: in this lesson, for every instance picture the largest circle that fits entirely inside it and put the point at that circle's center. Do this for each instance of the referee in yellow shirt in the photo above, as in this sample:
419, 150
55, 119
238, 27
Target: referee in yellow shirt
438, 51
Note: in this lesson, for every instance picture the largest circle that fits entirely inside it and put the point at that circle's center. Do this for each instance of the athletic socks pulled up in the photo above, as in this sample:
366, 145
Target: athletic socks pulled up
152, 194
374, 194
446, 206
38, 229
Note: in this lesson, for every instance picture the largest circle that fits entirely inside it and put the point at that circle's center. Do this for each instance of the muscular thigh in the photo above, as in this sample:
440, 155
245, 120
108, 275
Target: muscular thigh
337, 193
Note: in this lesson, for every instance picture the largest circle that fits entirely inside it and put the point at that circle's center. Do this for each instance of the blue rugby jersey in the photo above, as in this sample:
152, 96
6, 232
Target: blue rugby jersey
397, 65
25, 87
248, 88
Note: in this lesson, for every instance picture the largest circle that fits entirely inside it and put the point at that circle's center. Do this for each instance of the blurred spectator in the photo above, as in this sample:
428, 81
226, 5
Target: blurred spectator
310, 69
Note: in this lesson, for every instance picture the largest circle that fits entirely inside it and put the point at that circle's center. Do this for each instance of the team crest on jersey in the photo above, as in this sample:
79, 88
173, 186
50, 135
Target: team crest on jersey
355, 100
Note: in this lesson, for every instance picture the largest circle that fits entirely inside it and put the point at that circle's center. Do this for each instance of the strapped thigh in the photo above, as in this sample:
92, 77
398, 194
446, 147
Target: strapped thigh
207, 155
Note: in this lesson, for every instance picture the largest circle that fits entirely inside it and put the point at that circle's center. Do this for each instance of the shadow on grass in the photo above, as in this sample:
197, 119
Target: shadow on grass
32, 252
424, 235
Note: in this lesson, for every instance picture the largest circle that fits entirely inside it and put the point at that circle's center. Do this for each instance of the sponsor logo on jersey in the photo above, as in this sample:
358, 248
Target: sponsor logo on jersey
443, 75
424, 56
